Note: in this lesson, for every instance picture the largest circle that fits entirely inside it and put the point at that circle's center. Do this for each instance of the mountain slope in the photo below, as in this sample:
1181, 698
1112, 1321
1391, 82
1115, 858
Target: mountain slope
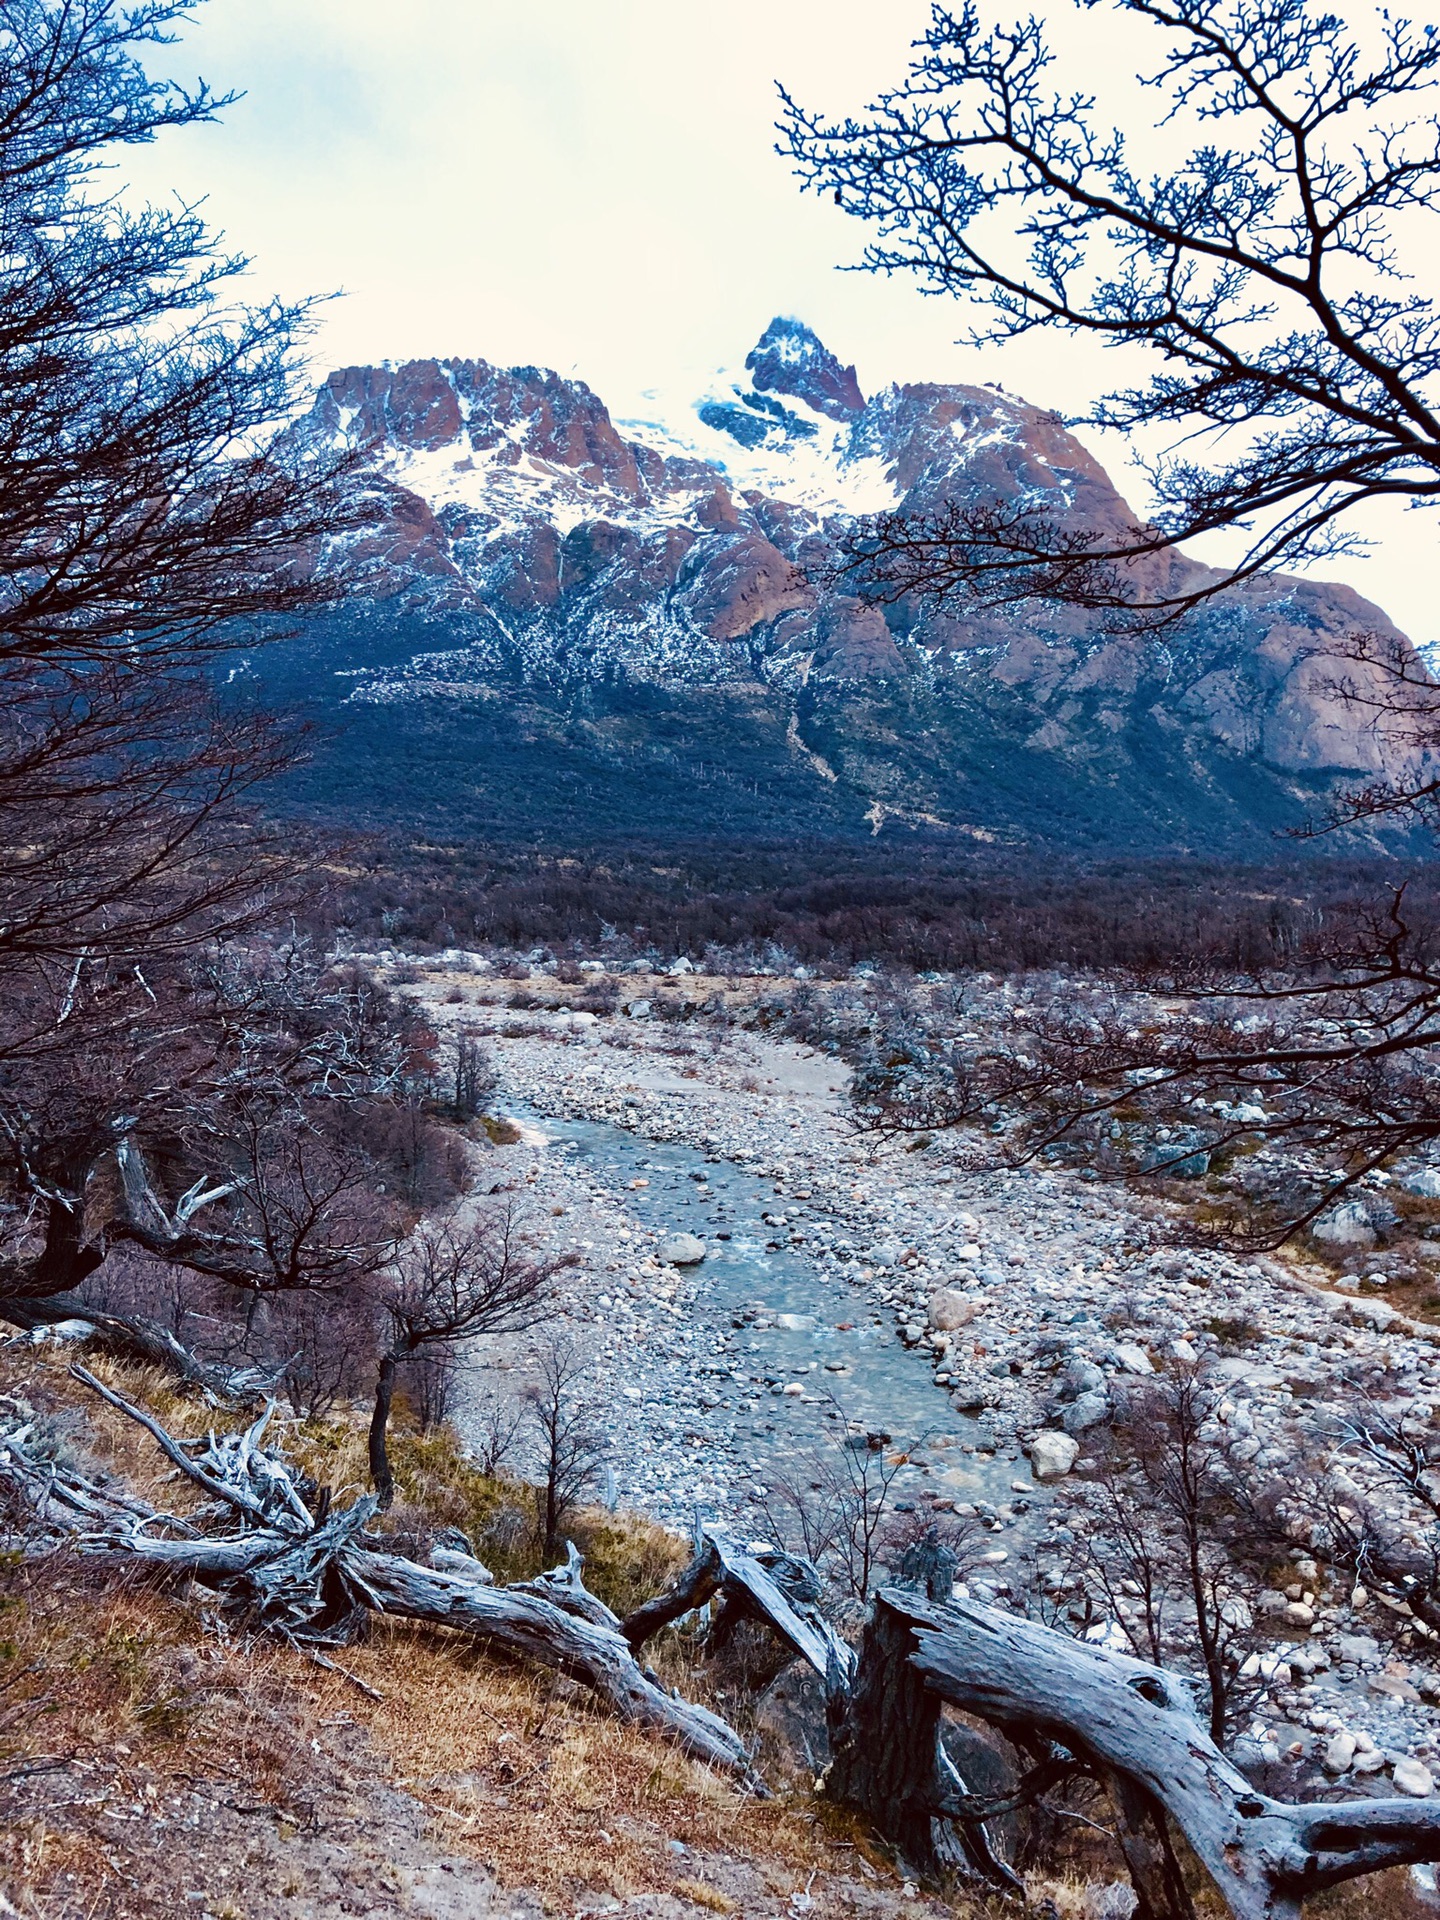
559, 623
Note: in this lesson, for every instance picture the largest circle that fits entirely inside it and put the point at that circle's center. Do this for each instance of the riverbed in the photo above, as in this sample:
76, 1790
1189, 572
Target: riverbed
783, 1358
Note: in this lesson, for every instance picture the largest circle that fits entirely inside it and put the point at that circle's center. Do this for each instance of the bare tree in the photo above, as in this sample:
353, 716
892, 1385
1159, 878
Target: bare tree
834, 1508
447, 1284
326, 1344
198, 1112
475, 1077
1265, 270
151, 515
494, 1432
571, 1442
1296, 364
1161, 1529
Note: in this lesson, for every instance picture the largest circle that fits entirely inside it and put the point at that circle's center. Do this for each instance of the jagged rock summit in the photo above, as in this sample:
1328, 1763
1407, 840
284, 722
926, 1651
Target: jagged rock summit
789, 358
653, 599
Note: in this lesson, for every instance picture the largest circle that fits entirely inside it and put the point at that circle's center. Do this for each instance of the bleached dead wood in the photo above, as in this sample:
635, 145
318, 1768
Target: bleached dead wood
564, 1587
1120, 1717
538, 1630
775, 1587
278, 1550
132, 1337
312, 1573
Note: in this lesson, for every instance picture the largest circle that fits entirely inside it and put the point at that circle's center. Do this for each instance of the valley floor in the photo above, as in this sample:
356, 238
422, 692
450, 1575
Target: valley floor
709, 1394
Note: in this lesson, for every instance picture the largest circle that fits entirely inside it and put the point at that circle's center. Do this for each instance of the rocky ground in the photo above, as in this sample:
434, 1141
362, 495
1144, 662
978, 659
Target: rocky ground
1015, 1302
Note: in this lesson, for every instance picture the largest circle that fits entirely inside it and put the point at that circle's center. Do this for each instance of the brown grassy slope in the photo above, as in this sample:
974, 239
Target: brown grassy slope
154, 1760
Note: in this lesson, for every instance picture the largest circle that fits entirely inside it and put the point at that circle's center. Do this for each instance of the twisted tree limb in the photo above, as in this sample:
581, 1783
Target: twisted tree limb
774, 1587
313, 1576
1137, 1724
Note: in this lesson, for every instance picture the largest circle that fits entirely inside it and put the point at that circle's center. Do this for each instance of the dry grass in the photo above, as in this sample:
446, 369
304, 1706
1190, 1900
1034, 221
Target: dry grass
521, 1770
125, 1691
118, 1718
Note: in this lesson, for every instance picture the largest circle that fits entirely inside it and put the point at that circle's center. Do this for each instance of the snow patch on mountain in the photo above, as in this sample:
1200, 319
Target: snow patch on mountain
791, 453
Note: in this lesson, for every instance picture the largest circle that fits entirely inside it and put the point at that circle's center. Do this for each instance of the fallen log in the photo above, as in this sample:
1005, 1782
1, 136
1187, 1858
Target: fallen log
1125, 1722
536, 1629
132, 1337
314, 1576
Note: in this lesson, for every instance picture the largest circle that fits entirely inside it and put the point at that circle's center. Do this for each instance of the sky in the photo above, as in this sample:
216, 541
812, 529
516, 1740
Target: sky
594, 188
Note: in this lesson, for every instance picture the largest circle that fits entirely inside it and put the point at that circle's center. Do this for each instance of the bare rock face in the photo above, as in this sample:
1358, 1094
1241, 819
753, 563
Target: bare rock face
748, 584
546, 547
790, 359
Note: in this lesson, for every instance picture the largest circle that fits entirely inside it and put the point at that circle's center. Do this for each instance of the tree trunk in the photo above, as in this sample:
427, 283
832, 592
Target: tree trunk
552, 1509
1119, 1716
1144, 1836
381, 1477
778, 1588
884, 1739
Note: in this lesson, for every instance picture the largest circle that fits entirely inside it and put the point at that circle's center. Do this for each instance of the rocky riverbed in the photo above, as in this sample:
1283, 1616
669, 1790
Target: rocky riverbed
980, 1321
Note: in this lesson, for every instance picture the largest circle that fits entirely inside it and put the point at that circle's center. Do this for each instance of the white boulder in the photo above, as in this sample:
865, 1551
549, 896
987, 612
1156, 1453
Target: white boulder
681, 1250
1414, 1778
1345, 1226
1133, 1359
1052, 1455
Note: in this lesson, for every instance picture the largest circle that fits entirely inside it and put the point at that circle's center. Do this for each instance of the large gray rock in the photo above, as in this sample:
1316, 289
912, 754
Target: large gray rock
681, 1250
1088, 1411
1081, 1376
1425, 1184
973, 1396
1193, 1166
1052, 1455
1133, 1359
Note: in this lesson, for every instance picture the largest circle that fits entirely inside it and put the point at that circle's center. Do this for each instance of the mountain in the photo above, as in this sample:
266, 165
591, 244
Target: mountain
561, 623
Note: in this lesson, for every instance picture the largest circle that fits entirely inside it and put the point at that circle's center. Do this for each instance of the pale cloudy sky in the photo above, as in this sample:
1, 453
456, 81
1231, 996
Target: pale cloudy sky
593, 187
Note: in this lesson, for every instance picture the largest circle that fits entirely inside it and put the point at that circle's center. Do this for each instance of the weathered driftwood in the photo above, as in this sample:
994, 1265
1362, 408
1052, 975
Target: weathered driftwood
132, 1337
564, 1587
538, 1630
1136, 1725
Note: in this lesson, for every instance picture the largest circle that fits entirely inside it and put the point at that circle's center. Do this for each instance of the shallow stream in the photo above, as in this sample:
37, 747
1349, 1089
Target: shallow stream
805, 1325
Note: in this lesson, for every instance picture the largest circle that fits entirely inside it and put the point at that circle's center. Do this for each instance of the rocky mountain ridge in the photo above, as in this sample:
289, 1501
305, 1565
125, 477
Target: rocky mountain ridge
535, 564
